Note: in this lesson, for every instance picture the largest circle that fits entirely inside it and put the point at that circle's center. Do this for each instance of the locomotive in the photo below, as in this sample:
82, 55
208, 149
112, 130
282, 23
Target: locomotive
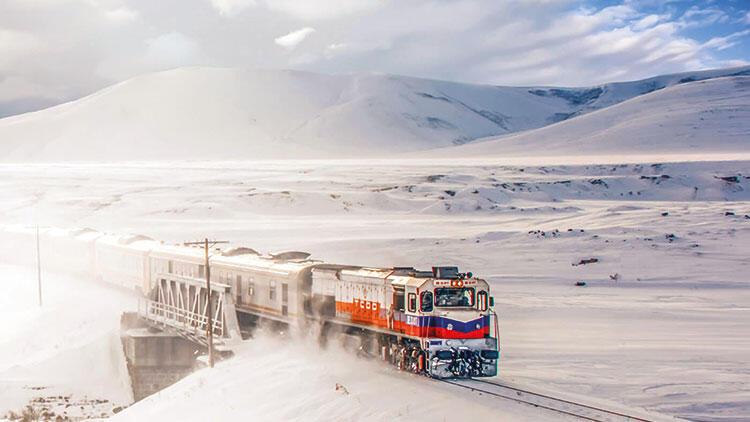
436, 322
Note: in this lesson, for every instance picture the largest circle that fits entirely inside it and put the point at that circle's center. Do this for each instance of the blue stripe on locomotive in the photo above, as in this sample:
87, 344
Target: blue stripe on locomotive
460, 326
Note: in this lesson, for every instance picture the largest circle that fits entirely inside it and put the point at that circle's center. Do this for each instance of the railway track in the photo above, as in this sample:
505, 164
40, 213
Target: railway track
542, 401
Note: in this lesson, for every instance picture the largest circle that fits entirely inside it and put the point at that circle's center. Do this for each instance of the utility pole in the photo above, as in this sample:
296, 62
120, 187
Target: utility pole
209, 309
38, 267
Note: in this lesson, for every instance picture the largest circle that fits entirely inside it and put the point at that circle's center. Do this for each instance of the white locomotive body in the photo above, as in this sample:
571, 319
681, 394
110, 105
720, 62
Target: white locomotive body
440, 319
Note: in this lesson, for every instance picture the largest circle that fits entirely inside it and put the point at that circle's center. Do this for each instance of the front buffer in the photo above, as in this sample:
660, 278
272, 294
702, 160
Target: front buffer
462, 358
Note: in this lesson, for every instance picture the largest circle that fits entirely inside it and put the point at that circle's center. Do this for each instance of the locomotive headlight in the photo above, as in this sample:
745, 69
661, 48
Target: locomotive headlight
478, 326
450, 326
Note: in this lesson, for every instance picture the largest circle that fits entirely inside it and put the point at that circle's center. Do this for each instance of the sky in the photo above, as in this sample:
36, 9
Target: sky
53, 51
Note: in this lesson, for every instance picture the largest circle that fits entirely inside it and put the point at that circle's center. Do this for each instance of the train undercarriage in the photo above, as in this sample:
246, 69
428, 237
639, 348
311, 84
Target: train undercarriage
435, 358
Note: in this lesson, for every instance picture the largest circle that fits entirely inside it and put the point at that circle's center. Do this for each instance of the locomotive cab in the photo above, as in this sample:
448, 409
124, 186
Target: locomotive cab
456, 310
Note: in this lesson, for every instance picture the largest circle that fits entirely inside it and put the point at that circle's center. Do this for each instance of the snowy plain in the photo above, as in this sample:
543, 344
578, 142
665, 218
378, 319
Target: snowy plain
656, 187
669, 336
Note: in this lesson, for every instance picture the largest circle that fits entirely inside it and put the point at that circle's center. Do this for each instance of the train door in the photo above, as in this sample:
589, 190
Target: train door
238, 289
284, 299
411, 320
397, 319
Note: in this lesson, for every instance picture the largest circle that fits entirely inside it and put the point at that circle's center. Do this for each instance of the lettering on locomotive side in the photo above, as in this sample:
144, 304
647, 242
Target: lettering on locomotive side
412, 320
365, 304
454, 283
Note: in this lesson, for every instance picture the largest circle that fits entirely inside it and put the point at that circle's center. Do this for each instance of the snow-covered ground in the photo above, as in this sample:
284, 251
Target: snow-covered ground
669, 335
274, 380
66, 353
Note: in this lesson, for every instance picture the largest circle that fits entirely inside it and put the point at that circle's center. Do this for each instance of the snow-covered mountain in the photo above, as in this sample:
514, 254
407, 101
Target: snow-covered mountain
214, 113
709, 116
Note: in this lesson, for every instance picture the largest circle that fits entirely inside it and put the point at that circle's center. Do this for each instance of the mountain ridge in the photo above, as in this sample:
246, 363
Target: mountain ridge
700, 117
220, 113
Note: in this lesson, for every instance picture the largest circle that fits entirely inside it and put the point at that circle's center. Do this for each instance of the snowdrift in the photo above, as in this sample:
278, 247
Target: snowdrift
215, 113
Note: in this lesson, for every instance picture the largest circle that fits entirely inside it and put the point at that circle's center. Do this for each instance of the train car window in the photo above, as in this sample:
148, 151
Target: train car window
202, 271
398, 300
454, 296
412, 302
238, 288
170, 267
251, 289
426, 301
272, 290
482, 301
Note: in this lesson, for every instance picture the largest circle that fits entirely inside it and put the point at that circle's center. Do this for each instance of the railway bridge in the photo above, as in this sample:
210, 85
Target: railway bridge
181, 304
178, 321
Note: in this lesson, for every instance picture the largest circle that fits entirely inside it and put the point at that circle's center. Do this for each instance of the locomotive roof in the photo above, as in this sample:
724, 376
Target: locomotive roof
387, 275
384, 274
399, 280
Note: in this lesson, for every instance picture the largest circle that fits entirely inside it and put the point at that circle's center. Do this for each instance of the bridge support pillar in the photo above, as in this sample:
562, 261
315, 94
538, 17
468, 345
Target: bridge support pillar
155, 359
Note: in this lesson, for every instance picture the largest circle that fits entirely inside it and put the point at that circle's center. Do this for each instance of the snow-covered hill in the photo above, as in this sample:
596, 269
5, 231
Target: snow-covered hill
709, 116
213, 113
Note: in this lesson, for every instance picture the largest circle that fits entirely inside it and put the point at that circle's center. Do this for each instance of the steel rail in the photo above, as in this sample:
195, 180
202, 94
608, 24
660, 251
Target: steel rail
549, 406
599, 409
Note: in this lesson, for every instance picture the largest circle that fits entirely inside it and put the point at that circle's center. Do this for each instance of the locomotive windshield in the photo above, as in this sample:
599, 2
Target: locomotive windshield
454, 296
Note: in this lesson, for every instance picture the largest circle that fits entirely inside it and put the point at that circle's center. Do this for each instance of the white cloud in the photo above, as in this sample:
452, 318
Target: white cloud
722, 43
697, 17
16, 87
170, 49
735, 63
230, 8
121, 15
14, 45
646, 22
322, 9
292, 39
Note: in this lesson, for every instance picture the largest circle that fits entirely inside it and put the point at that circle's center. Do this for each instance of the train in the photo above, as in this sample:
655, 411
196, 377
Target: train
436, 322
